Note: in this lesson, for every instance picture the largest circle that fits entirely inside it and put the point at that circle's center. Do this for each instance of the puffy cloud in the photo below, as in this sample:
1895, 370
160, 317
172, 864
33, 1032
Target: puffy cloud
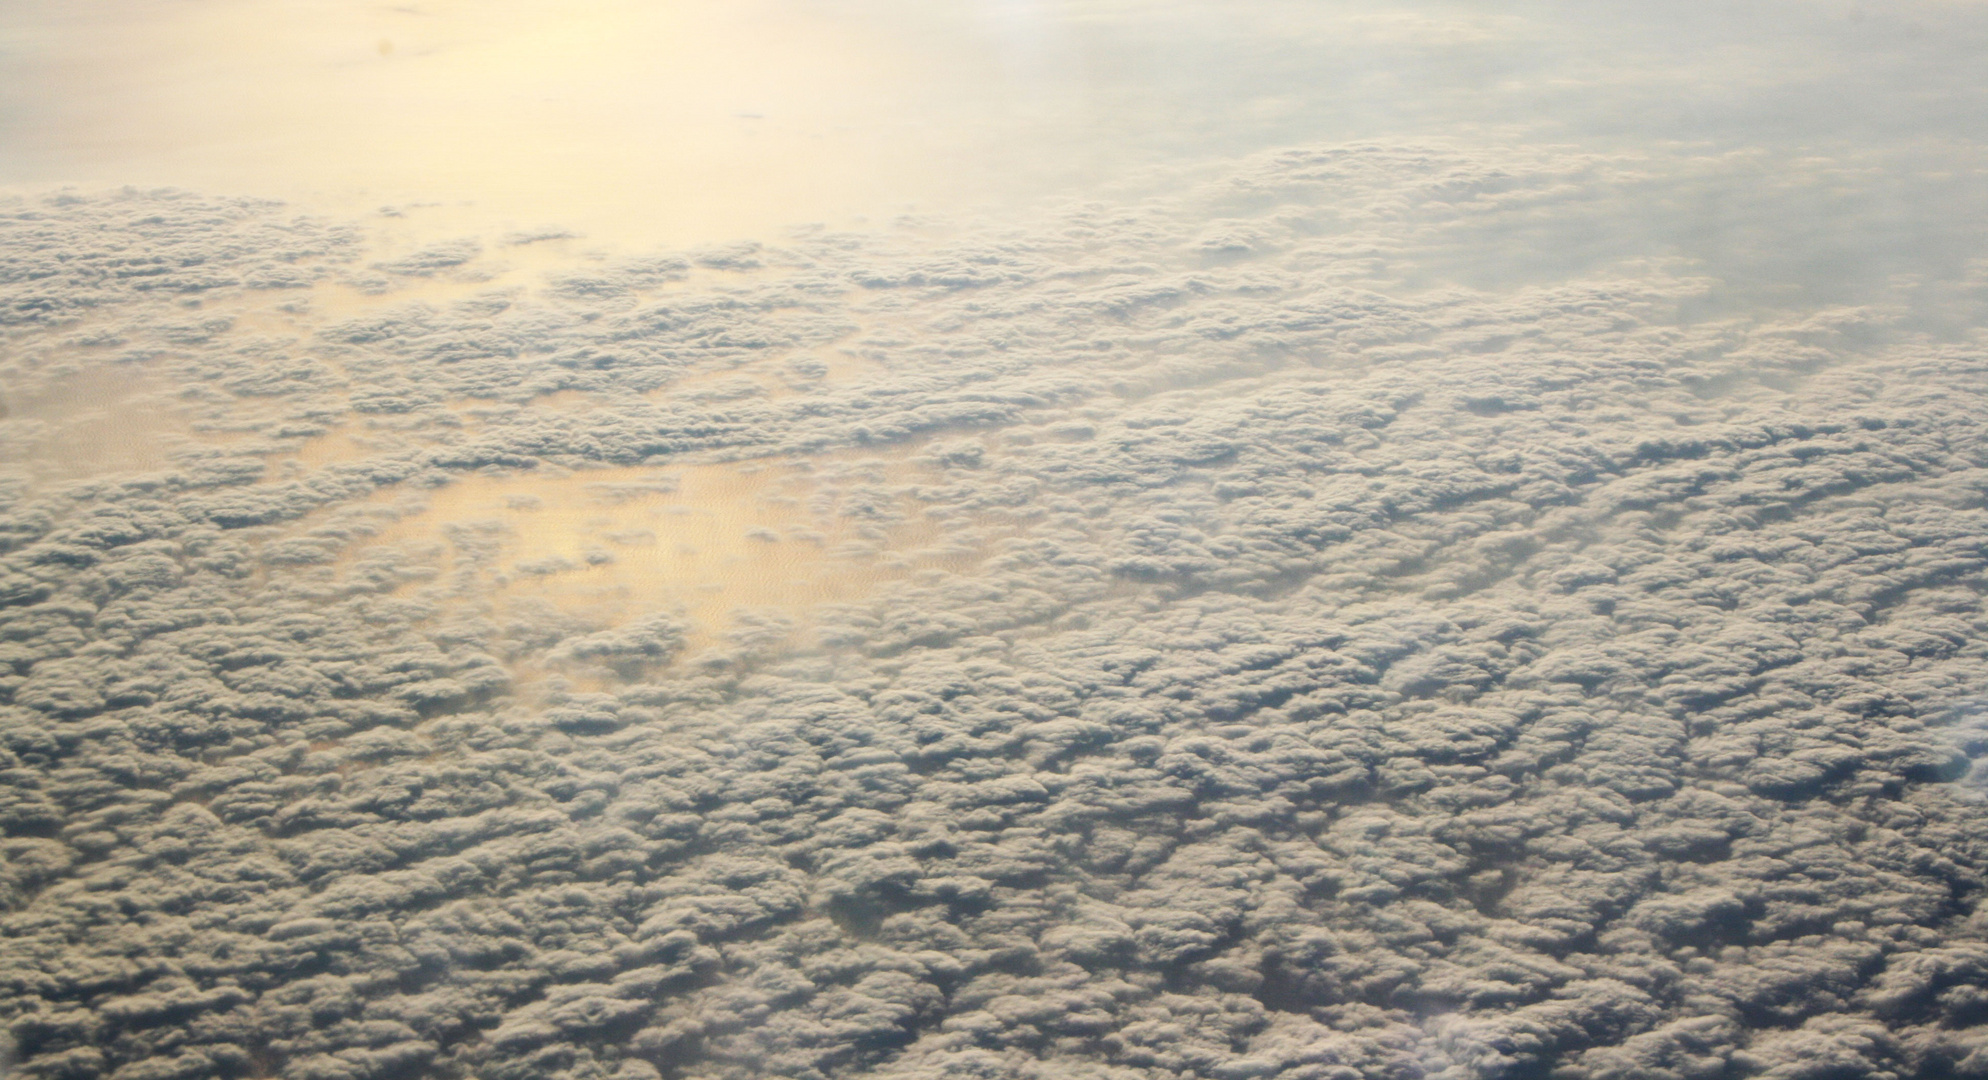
1320, 680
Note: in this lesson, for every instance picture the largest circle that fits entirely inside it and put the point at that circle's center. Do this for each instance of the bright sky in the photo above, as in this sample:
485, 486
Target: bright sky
630, 119
671, 122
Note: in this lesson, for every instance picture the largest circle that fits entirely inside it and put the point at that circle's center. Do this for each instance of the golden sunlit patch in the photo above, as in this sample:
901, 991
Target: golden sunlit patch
87, 421
702, 542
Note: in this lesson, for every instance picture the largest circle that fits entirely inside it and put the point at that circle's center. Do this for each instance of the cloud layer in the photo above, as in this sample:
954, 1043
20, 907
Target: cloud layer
1343, 676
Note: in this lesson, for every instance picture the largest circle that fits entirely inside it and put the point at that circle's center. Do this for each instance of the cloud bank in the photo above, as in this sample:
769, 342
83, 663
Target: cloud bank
1345, 676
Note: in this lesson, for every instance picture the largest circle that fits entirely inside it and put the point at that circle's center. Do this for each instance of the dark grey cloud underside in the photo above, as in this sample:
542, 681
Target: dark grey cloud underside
1429, 682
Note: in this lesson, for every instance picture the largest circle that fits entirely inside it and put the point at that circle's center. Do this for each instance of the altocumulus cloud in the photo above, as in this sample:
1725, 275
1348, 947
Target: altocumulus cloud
1346, 680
